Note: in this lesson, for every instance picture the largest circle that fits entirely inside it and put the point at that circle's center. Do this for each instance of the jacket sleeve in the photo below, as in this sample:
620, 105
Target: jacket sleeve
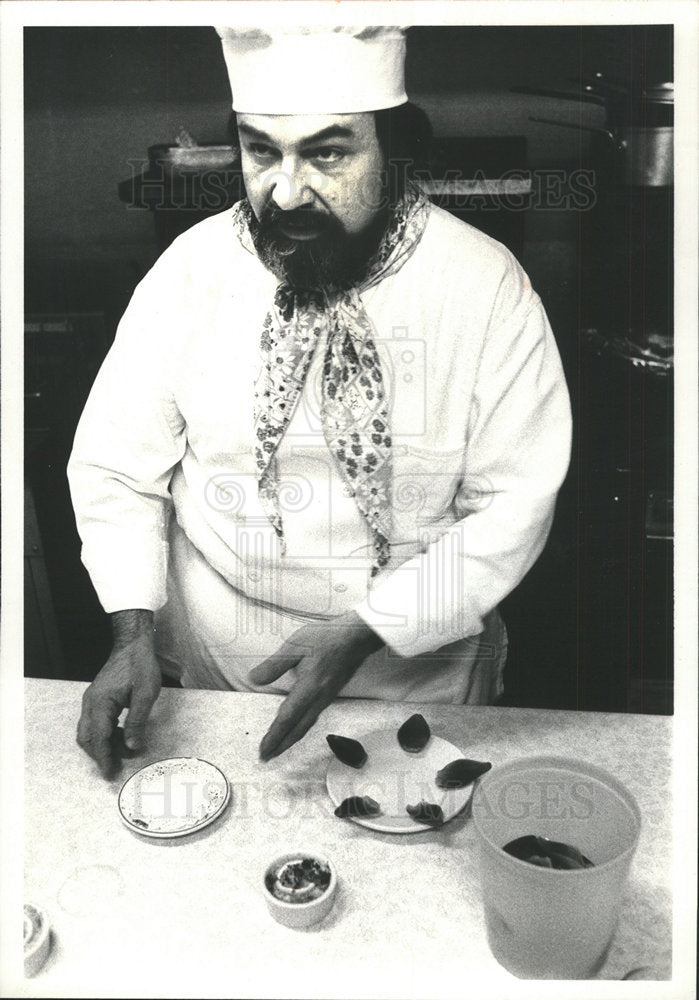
129, 438
517, 452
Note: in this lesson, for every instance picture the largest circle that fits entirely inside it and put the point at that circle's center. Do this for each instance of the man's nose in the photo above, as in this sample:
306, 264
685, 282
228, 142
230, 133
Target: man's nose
291, 185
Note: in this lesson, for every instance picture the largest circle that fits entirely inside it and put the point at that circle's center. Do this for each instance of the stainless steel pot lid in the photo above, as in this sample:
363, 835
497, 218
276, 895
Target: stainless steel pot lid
662, 93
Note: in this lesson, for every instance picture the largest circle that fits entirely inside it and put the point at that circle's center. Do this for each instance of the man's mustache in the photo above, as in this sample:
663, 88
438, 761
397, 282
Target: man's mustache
299, 218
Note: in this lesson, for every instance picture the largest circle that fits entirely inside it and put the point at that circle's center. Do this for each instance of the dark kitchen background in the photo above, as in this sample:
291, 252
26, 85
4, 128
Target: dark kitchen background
113, 118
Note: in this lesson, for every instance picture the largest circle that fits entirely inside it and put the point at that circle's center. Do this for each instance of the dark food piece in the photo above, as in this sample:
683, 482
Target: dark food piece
348, 751
462, 772
358, 805
298, 874
426, 812
414, 734
547, 853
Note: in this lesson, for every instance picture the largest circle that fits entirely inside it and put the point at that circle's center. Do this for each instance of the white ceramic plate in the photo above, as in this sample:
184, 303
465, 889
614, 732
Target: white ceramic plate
395, 779
173, 797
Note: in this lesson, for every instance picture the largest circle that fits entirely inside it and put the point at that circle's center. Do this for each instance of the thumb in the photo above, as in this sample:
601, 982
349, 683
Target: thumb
137, 717
274, 666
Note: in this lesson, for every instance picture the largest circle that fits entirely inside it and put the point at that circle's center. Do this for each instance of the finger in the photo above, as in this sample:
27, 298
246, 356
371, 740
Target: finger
119, 747
297, 732
274, 667
95, 730
302, 701
300, 644
142, 701
291, 710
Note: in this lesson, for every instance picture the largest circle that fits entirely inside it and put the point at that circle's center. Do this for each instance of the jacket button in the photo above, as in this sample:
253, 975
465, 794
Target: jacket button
340, 588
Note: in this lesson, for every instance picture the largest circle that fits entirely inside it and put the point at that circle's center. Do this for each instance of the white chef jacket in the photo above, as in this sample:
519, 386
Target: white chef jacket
163, 474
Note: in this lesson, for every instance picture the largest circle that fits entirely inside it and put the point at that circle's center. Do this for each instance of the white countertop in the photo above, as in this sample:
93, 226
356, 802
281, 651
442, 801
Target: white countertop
178, 918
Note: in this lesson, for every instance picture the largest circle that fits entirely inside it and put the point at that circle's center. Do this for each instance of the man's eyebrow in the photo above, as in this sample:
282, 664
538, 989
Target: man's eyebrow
331, 132
254, 133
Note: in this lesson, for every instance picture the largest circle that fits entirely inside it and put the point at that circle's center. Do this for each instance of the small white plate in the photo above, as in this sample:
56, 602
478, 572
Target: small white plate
173, 797
395, 779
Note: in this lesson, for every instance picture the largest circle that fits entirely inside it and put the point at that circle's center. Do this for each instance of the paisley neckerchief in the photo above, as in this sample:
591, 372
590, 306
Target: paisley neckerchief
354, 409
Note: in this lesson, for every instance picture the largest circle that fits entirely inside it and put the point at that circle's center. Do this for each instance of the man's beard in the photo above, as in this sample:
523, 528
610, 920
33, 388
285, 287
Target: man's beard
332, 259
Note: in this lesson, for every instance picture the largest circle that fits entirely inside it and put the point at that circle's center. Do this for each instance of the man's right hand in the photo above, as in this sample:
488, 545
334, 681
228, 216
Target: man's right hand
130, 678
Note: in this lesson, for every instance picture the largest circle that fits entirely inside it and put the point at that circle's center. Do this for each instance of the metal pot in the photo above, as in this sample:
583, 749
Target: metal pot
640, 128
658, 105
644, 154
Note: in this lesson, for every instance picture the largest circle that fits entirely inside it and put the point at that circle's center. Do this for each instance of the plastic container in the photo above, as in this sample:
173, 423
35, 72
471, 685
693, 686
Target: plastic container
37, 938
302, 913
546, 923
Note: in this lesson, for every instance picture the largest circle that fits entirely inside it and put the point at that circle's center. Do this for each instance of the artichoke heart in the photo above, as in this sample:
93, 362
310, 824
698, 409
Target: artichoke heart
426, 812
547, 853
414, 734
350, 752
358, 805
462, 772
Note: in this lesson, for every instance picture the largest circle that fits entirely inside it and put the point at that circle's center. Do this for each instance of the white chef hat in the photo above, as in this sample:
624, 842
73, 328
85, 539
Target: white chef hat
319, 70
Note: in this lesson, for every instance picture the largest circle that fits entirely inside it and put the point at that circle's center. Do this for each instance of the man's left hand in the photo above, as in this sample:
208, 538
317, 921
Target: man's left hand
325, 657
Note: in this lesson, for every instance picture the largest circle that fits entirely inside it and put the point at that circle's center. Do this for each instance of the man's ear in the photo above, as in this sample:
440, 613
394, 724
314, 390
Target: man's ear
233, 135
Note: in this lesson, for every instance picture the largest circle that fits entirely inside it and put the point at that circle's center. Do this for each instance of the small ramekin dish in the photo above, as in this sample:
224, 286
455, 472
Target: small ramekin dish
301, 913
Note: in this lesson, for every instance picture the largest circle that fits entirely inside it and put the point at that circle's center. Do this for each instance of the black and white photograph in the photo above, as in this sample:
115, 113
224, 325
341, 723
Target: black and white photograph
349, 467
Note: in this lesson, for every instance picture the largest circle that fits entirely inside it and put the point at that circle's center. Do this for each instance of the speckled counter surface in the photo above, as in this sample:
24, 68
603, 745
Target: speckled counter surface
176, 918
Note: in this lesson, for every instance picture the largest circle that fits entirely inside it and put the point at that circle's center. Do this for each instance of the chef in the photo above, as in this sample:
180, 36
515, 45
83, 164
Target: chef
328, 438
